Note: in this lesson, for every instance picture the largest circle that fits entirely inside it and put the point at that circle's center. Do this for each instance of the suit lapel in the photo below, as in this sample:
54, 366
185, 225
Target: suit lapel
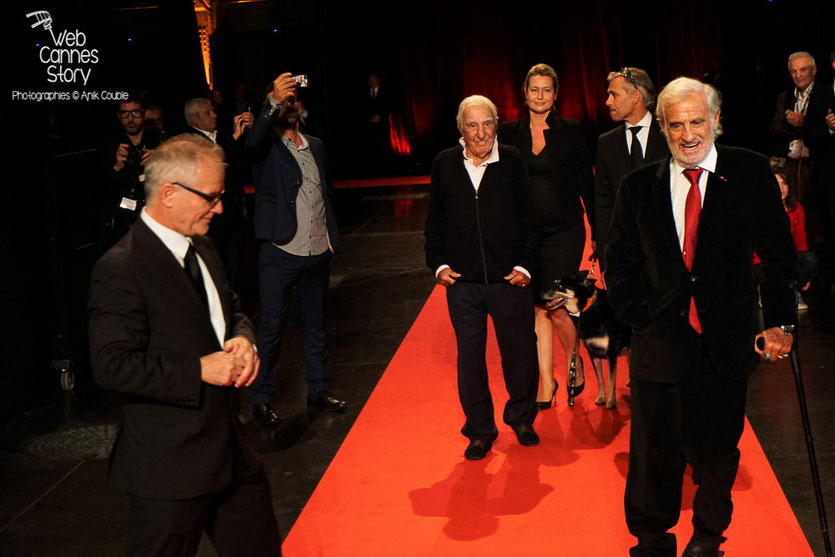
664, 209
173, 277
715, 200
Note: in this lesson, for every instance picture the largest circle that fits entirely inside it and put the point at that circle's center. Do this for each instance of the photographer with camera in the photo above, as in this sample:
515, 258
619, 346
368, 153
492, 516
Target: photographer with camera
123, 161
296, 231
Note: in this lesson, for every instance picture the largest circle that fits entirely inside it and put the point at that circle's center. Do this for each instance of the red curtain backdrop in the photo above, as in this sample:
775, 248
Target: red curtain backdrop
431, 54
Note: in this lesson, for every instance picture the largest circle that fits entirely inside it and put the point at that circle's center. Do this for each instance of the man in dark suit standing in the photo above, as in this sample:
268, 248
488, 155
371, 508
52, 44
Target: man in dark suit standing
168, 333
630, 99
788, 130
296, 229
228, 228
481, 240
680, 274
819, 132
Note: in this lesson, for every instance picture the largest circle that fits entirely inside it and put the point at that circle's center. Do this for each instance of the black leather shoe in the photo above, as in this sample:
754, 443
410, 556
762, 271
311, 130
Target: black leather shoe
477, 449
701, 546
325, 402
263, 414
526, 435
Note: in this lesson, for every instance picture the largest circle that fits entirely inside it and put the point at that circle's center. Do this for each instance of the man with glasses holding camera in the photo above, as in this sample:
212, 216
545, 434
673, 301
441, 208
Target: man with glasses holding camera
124, 158
168, 333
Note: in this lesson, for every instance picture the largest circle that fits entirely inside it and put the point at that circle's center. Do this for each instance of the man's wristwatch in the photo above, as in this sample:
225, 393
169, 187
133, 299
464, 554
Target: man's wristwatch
788, 329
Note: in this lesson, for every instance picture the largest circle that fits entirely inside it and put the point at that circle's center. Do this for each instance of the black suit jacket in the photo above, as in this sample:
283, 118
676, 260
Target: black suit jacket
278, 178
570, 161
148, 331
650, 287
783, 132
234, 198
612, 163
820, 141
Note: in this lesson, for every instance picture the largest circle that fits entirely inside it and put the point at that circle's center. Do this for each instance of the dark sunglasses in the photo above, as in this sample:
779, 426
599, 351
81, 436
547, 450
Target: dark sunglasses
624, 72
212, 199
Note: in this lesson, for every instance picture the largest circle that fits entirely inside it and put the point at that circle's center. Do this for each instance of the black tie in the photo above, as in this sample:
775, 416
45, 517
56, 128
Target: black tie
195, 275
637, 153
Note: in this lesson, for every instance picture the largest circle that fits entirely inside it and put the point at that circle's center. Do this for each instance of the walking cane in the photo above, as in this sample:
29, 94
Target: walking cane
810, 445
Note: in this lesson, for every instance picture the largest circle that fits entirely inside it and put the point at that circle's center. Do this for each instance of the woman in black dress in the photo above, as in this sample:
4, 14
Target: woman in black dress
560, 170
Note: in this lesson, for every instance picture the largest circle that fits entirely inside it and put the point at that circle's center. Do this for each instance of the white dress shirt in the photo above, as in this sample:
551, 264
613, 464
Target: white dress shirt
679, 186
643, 133
179, 244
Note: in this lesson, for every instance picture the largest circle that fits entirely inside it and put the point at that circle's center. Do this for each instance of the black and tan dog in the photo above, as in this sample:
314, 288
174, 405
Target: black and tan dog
601, 334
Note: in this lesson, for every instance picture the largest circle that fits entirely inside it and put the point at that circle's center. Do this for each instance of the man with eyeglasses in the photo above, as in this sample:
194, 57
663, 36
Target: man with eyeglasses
481, 243
123, 160
630, 99
168, 333
295, 226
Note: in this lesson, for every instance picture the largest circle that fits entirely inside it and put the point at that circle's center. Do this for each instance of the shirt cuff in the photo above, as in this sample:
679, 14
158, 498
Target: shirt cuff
523, 271
439, 269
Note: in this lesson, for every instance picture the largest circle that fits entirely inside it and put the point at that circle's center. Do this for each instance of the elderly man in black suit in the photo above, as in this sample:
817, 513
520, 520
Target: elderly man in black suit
680, 274
638, 141
168, 333
481, 240
819, 134
788, 129
295, 226
227, 229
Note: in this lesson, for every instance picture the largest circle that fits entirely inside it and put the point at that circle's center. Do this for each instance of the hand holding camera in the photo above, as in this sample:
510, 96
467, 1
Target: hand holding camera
284, 87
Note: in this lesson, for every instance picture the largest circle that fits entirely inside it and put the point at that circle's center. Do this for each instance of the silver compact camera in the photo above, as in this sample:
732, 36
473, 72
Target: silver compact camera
301, 79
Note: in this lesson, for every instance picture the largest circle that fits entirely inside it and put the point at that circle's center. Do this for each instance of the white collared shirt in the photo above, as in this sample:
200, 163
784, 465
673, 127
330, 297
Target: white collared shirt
477, 172
643, 133
679, 186
179, 244
210, 135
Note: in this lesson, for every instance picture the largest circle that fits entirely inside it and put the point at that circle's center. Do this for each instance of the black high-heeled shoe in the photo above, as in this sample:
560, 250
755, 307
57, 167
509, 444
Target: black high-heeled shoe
575, 391
551, 401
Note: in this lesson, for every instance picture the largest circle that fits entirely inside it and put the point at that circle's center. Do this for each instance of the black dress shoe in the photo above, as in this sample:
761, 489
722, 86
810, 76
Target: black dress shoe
702, 546
325, 402
526, 435
477, 449
263, 414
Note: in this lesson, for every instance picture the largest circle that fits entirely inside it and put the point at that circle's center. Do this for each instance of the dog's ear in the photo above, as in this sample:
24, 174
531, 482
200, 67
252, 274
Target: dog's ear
582, 275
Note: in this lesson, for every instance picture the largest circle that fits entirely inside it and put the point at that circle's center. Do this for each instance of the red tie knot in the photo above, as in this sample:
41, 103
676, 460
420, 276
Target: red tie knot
693, 175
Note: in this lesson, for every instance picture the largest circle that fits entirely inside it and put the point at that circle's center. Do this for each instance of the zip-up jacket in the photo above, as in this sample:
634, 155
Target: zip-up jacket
481, 235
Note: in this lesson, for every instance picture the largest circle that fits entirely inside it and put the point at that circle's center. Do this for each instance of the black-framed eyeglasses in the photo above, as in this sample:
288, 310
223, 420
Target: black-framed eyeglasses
212, 199
624, 72
135, 113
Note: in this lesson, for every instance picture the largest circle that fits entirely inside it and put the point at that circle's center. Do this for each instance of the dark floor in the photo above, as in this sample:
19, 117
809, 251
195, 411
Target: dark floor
52, 459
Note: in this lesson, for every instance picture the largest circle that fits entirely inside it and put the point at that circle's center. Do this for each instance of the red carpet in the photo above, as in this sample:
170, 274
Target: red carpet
399, 485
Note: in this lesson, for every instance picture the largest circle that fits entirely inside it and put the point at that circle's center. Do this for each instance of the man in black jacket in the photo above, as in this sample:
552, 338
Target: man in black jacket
630, 99
680, 274
481, 234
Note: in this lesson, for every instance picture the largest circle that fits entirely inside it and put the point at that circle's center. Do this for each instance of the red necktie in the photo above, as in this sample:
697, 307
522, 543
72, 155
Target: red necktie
692, 208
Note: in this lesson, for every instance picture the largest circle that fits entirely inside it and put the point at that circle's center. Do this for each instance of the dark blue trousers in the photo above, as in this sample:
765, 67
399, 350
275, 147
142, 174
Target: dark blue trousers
279, 272
511, 309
